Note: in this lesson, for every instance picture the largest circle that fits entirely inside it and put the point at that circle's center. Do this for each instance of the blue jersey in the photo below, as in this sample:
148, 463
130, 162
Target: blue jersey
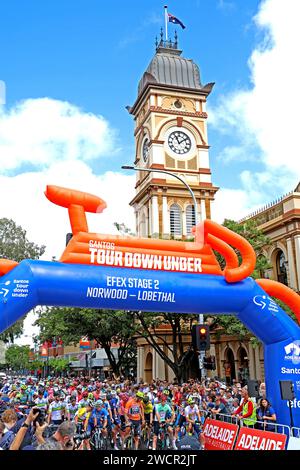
100, 415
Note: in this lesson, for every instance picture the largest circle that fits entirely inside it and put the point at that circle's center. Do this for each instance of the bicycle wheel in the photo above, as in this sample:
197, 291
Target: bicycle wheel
128, 443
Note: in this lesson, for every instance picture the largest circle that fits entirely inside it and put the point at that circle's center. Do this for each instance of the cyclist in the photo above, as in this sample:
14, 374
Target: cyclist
193, 417
86, 416
72, 408
148, 414
114, 403
180, 418
163, 415
134, 416
41, 402
57, 410
84, 400
98, 418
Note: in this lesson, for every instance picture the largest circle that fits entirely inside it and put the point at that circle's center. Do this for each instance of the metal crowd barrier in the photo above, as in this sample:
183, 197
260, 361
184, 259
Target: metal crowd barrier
295, 432
275, 427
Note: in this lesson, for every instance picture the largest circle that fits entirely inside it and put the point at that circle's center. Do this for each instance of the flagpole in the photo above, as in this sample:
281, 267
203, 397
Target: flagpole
166, 21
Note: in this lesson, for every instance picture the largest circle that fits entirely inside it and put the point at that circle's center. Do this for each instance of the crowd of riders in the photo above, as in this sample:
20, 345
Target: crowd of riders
87, 413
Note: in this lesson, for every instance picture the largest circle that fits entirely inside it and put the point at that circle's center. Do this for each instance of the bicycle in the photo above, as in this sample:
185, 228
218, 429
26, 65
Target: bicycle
98, 441
146, 436
129, 441
163, 438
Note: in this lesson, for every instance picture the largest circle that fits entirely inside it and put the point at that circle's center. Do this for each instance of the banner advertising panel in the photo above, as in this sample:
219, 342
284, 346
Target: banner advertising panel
219, 435
254, 439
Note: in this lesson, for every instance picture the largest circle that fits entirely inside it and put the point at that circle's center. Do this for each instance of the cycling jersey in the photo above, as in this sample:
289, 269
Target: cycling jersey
134, 409
56, 410
164, 412
82, 414
41, 403
191, 412
100, 415
148, 409
72, 410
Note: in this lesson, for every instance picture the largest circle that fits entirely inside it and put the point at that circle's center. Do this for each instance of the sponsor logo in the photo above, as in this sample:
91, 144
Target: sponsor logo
292, 352
4, 288
263, 301
293, 403
292, 370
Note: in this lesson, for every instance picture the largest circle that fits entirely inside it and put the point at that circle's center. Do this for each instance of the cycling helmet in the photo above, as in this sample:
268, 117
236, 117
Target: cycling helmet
99, 403
124, 397
113, 393
90, 388
90, 396
139, 394
190, 400
166, 392
23, 387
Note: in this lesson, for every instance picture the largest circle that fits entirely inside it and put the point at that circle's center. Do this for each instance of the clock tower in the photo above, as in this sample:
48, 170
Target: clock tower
171, 134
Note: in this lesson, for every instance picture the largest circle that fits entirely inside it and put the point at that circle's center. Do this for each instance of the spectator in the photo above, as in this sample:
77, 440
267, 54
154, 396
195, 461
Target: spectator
12, 424
246, 411
266, 415
63, 436
262, 390
219, 409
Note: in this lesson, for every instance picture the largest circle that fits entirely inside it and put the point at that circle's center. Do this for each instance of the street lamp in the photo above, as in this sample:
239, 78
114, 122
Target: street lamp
136, 168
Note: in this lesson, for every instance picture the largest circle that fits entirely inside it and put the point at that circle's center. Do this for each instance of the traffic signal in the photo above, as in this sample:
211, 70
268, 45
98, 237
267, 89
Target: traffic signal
201, 337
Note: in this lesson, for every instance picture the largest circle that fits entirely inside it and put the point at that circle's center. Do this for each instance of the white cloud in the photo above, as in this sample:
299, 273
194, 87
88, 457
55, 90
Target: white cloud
59, 140
47, 223
44, 131
265, 118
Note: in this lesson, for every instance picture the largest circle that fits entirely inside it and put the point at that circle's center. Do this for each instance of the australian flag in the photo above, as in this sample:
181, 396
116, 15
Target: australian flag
174, 20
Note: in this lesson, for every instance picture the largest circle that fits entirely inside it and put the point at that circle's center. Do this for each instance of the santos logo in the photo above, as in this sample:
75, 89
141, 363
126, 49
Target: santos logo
292, 352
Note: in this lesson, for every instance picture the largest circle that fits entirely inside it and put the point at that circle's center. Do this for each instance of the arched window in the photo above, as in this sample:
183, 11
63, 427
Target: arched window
281, 265
175, 220
190, 219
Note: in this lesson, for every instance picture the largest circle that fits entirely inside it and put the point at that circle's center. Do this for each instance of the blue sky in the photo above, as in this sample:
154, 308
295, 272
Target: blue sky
87, 51
71, 67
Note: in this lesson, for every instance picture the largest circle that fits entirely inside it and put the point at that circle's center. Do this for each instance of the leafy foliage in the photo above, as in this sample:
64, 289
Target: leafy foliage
109, 328
172, 352
14, 245
17, 357
249, 230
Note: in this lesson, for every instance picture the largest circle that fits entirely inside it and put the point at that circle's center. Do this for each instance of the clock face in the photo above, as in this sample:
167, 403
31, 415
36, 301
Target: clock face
145, 150
179, 142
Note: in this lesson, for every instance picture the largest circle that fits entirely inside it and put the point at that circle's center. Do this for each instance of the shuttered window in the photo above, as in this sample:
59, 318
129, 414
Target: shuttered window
190, 219
175, 220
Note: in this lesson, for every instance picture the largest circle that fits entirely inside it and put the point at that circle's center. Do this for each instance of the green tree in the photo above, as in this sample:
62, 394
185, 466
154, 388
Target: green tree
17, 357
226, 323
107, 327
59, 364
14, 245
172, 352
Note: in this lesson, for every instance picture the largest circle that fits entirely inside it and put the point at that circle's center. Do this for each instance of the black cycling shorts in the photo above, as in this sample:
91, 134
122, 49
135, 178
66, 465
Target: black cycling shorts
147, 417
136, 427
